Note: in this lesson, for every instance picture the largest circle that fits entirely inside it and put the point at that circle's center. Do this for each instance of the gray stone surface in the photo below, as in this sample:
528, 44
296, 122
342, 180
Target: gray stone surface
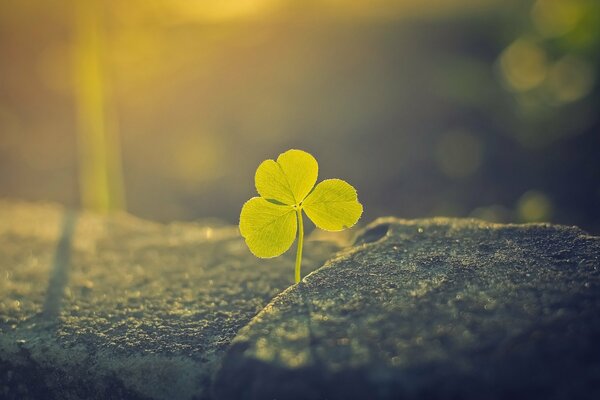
432, 309
115, 307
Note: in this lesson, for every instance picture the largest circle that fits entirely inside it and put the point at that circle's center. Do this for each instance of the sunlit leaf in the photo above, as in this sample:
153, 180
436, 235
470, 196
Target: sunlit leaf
269, 223
333, 205
289, 179
269, 229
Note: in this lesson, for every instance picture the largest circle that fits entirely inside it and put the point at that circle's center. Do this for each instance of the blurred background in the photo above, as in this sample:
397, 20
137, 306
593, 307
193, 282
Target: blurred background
164, 108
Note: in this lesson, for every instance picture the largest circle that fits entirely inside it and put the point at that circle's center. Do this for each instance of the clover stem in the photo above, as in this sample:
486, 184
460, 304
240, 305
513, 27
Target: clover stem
300, 243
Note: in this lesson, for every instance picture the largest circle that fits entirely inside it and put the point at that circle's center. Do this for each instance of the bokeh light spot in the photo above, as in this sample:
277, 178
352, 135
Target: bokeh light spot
554, 18
571, 78
523, 65
534, 206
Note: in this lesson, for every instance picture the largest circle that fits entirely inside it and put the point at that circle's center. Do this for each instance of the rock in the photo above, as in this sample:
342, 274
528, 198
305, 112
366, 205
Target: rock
432, 309
115, 307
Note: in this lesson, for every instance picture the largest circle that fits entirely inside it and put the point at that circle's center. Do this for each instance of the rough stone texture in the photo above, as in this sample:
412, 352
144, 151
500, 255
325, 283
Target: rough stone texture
432, 309
116, 307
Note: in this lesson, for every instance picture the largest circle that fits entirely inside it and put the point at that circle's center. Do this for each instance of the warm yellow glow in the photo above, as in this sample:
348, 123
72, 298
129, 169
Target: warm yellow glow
523, 65
138, 55
221, 10
173, 12
100, 179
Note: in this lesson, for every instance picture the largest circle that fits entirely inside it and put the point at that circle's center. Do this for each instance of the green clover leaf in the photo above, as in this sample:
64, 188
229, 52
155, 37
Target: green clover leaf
269, 223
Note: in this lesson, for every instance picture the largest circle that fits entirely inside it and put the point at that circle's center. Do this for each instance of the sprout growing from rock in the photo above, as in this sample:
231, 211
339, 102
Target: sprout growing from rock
287, 187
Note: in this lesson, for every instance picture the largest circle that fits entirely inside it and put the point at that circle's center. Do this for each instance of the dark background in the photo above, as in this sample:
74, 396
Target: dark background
165, 108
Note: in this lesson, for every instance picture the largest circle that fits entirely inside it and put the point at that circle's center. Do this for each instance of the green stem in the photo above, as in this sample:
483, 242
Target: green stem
300, 242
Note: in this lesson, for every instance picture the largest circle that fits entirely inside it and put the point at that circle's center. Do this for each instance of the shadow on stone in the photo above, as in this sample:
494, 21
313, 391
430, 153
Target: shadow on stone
373, 234
60, 269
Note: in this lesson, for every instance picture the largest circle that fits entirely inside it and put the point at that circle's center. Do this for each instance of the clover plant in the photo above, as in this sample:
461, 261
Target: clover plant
287, 188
